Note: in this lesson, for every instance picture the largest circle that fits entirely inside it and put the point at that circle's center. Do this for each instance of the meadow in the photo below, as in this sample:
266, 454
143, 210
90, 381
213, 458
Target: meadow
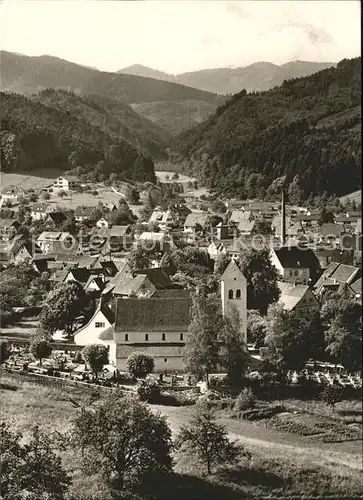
282, 465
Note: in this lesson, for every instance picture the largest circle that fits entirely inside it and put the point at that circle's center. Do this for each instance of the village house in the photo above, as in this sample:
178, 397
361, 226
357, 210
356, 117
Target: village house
84, 213
58, 218
39, 211
298, 298
26, 252
196, 221
12, 194
8, 229
332, 234
53, 241
308, 220
244, 221
296, 264
349, 220
149, 239
65, 183
102, 223
163, 219
336, 278
101, 320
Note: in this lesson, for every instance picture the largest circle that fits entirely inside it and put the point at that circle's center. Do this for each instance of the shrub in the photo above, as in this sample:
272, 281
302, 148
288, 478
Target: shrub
261, 413
149, 391
139, 364
245, 400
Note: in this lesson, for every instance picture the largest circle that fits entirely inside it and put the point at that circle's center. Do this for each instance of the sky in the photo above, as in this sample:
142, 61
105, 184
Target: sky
176, 36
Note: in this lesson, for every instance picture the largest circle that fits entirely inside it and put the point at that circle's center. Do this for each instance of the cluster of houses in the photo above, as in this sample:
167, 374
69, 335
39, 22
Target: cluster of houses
144, 309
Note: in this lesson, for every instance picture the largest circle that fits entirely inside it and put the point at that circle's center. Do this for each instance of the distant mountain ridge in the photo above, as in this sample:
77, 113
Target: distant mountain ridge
256, 77
28, 75
308, 129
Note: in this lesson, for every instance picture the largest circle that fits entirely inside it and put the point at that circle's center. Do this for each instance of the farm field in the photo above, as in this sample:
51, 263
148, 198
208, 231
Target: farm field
27, 181
282, 464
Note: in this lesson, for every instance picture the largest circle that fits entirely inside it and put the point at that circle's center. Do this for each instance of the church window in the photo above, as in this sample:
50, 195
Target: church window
146, 336
163, 336
230, 294
99, 324
126, 337
181, 336
238, 294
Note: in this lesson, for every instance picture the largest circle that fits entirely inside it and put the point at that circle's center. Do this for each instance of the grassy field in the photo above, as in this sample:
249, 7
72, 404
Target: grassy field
282, 465
165, 176
27, 181
356, 196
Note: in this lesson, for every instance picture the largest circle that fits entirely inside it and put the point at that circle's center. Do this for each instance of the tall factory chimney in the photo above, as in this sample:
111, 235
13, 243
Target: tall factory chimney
283, 216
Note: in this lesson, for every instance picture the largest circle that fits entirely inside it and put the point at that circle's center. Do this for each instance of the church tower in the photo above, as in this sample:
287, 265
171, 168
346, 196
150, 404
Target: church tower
234, 293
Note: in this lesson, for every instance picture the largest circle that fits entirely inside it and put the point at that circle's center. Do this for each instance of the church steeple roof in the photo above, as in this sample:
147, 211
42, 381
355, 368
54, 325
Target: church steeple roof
230, 270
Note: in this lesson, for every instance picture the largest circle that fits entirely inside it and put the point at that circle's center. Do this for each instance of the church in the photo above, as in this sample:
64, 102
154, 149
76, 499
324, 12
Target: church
159, 324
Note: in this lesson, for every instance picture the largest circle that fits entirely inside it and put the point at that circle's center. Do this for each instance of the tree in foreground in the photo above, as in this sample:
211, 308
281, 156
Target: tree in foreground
32, 470
65, 308
40, 349
202, 345
124, 440
262, 277
139, 364
236, 358
208, 441
96, 357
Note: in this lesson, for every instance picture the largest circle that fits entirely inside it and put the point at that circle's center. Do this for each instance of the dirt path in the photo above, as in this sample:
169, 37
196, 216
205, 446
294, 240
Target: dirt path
277, 444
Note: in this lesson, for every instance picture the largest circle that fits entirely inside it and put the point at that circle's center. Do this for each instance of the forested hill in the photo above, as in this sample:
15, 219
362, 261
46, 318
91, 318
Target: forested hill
308, 127
34, 136
115, 118
165, 103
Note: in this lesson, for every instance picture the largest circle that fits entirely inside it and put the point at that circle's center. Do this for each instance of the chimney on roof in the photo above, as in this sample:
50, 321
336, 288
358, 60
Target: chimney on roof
283, 216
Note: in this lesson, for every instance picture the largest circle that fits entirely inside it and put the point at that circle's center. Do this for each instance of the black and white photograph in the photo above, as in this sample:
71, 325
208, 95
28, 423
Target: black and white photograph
180, 250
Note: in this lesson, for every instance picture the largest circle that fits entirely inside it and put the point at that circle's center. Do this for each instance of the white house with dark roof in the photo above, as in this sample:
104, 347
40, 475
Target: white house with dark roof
162, 218
39, 211
65, 183
102, 319
296, 264
54, 241
84, 213
12, 194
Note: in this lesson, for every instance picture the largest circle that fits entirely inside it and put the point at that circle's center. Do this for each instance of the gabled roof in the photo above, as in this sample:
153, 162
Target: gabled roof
152, 315
107, 312
307, 218
238, 216
195, 218
291, 294
133, 286
60, 217
160, 216
32, 249
84, 211
97, 280
331, 229
4, 223
41, 207
119, 231
158, 277
122, 277
292, 257
80, 274
230, 270
337, 274
246, 226
12, 190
